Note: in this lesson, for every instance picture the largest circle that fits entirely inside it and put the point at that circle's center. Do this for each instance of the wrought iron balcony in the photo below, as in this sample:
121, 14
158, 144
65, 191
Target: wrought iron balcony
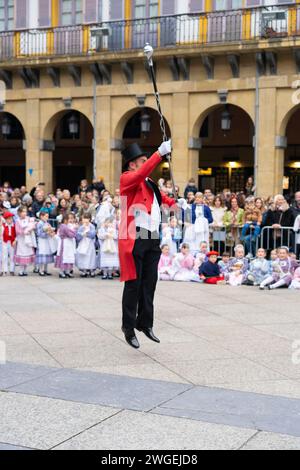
188, 30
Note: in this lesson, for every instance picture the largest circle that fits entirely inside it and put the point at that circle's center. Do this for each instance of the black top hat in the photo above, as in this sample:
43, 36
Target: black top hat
131, 153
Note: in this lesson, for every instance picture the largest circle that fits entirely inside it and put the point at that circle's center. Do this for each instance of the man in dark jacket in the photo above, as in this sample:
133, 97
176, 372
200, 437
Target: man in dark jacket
191, 188
281, 217
296, 205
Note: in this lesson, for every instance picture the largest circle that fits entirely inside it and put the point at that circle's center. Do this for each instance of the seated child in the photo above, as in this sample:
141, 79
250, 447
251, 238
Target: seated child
283, 270
165, 264
237, 267
259, 269
224, 262
183, 264
210, 271
201, 256
296, 280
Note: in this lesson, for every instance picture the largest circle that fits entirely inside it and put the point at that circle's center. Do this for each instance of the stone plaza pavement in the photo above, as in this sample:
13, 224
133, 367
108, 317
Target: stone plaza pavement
225, 376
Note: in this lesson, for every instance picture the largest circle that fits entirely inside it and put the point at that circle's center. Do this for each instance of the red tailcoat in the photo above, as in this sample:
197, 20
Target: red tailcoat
135, 193
6, 237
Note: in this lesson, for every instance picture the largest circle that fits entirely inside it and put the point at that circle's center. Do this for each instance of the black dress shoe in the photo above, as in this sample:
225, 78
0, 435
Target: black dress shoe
131, 339
149, 333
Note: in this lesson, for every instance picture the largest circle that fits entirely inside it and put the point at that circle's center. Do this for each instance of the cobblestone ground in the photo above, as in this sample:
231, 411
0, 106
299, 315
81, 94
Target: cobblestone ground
225, 376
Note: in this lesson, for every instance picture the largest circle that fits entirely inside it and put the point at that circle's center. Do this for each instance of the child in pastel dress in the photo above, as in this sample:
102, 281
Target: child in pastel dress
165, 264
296, 280
224, 263
26, 241
109, 257
171, 235
197, 227
283, 270
237, 267
259, 269
66, 250
201, 256
86, 250
183, 266
46, 243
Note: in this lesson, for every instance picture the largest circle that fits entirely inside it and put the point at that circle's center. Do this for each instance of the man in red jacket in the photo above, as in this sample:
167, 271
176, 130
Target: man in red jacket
139, 244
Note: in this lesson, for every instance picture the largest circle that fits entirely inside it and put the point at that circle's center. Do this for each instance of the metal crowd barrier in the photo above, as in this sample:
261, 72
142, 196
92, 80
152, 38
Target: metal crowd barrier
271, 238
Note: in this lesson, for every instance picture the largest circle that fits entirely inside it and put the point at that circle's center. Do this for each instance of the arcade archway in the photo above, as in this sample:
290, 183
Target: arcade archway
143, 127
12, 153
292, 155
73, 154
226, 158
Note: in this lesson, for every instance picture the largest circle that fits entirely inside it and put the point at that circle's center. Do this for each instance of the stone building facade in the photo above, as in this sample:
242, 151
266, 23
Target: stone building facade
75, 87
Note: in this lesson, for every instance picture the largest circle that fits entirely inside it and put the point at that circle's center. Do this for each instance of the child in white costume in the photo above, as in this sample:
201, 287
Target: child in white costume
237, 269
109, 256
197, 220
86, 250
26, 241
183, 264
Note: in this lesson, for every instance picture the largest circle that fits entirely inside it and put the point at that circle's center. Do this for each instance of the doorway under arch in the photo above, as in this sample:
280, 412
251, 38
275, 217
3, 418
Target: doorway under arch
73, 154
292, 155
12, 153
226, 159
143, 127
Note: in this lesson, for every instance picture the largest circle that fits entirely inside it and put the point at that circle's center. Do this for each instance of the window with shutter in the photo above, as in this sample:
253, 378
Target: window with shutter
116, 9
44, 13
196, 6
91, 11
254, 3
71, 12
6, 15
21, 12
168, 7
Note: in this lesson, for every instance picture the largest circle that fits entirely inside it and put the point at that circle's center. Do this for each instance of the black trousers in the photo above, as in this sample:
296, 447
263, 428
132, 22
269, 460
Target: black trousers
138, 295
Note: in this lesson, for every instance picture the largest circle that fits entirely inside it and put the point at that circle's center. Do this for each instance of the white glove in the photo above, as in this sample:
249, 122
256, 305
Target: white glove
182, 203
165, 148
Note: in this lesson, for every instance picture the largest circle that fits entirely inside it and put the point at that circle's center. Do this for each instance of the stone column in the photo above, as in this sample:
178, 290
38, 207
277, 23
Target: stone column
184, 166
104, 164
270, 159
34, 172
46, 168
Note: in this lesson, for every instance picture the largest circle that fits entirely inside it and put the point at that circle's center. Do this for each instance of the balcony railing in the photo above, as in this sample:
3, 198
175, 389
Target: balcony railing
237, 26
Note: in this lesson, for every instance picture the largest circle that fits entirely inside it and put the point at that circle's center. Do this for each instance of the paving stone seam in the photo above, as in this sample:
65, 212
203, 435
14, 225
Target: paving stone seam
257, 433
19, 446
88, 429
160, 405
8, 389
